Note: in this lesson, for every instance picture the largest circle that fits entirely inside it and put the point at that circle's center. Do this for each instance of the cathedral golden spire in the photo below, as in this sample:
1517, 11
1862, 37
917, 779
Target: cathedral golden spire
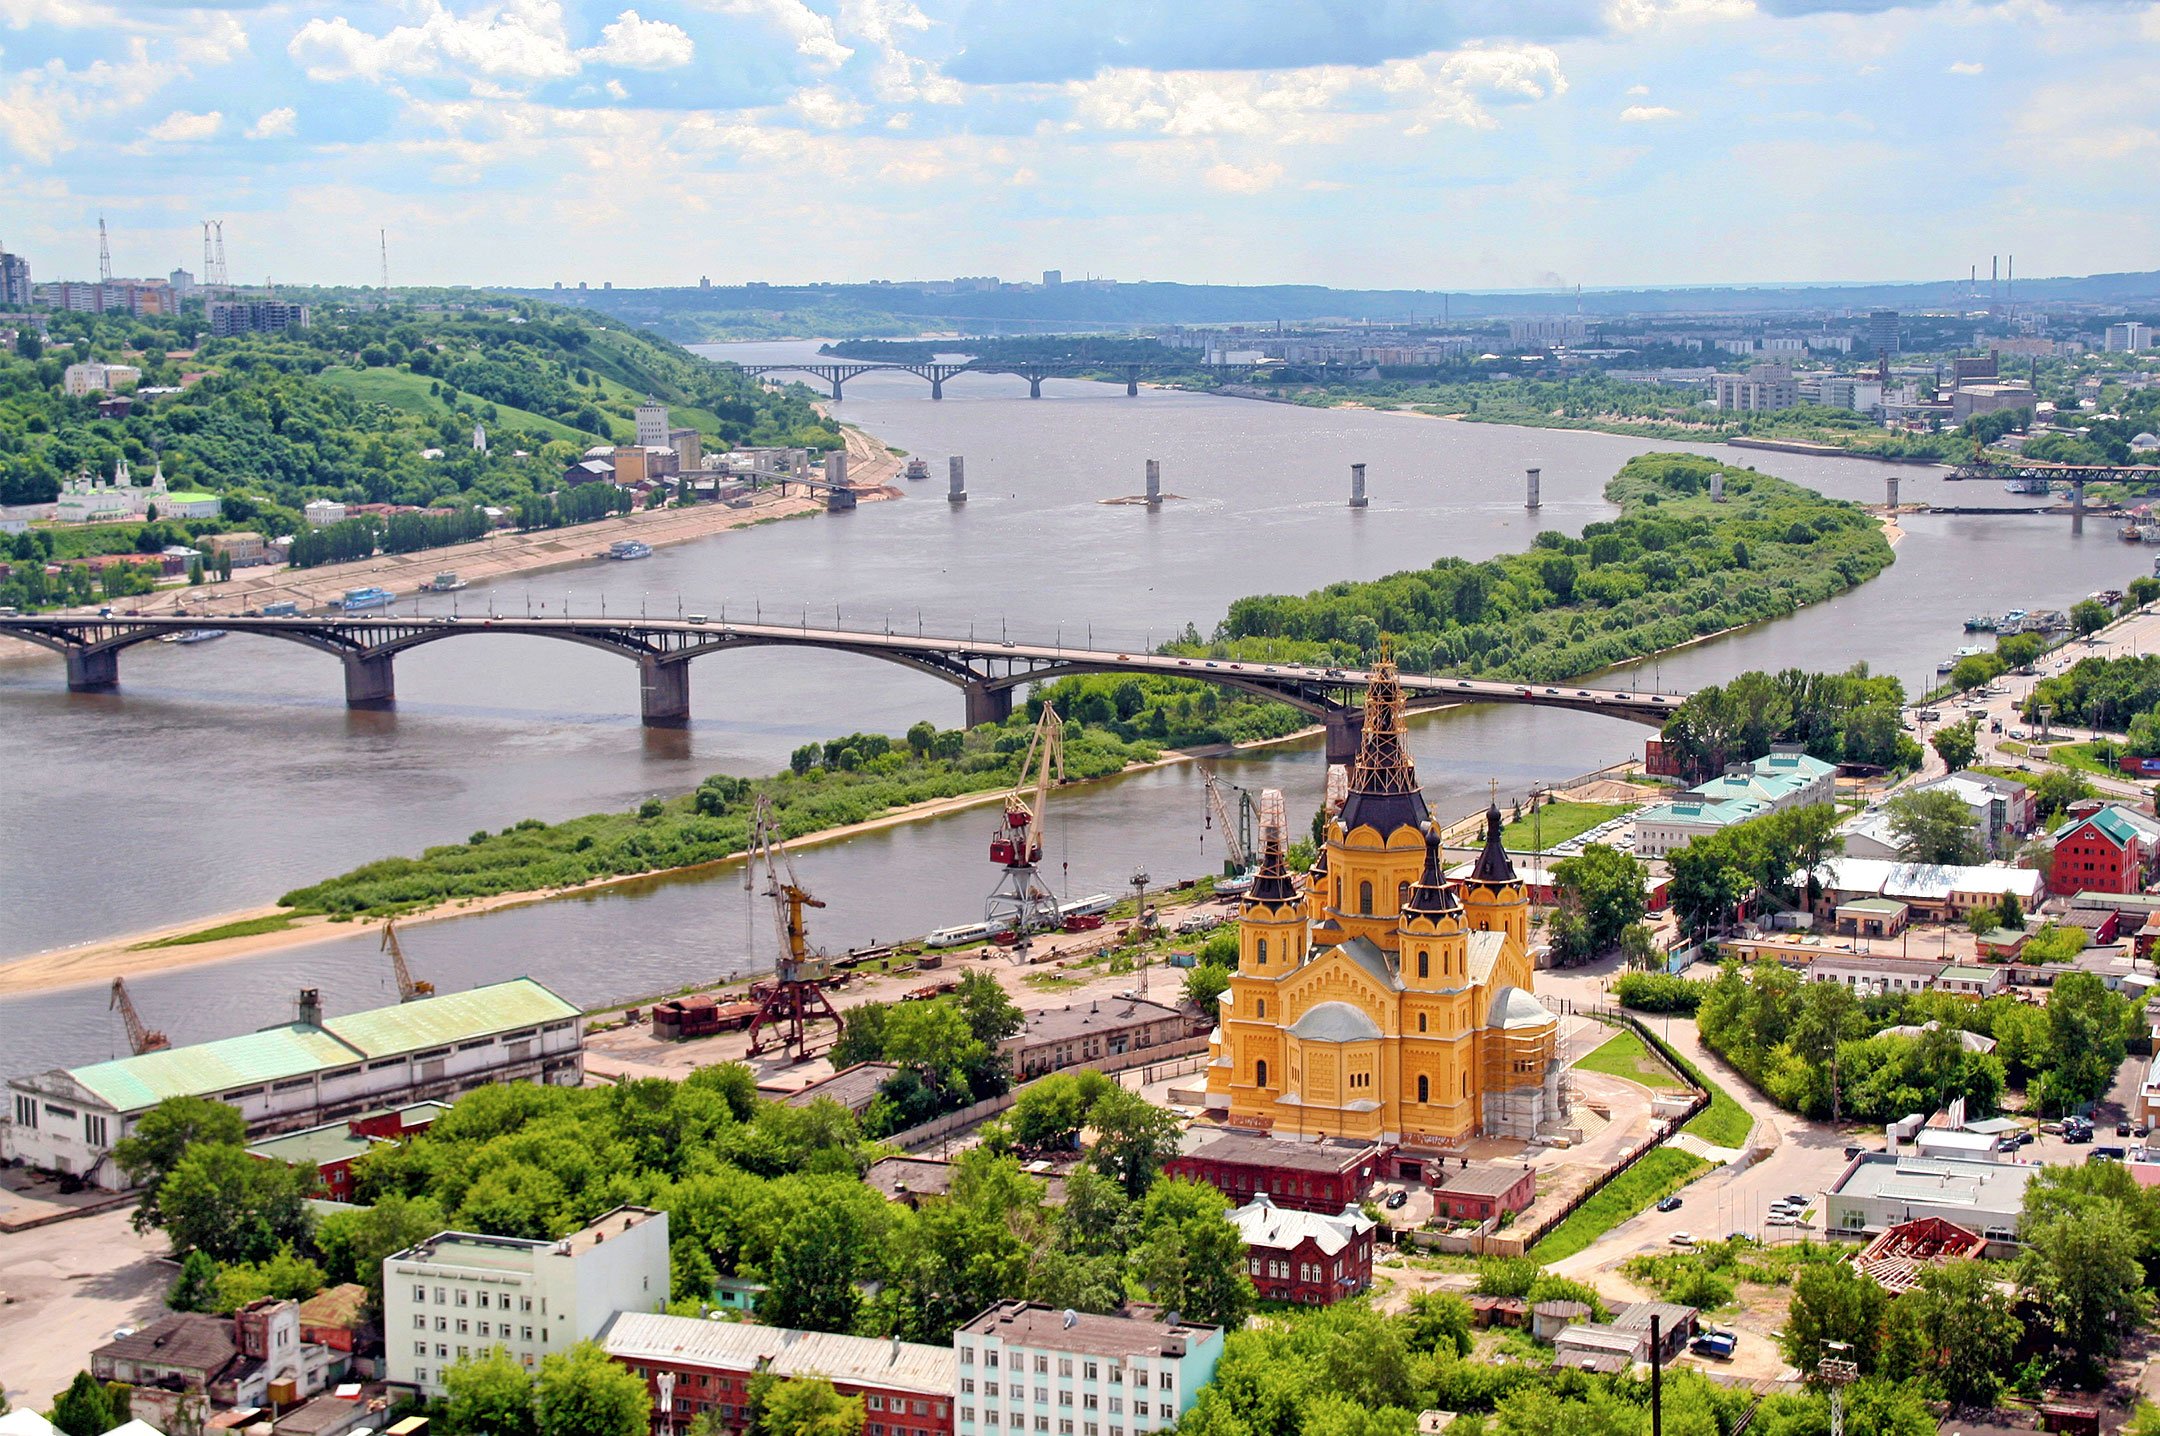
1383, 782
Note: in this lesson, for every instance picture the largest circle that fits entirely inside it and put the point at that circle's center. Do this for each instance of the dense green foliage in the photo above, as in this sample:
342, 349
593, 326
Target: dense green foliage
365, 406
1172, 712
1659, 992
1755, 861
946, 1050
1781, 1032
577, 1392
2103, 693
1841, 717
1602, 892
1673, 567
846, 780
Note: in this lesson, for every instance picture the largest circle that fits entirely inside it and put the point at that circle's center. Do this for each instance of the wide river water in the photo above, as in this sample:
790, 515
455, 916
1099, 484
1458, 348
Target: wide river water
221, 775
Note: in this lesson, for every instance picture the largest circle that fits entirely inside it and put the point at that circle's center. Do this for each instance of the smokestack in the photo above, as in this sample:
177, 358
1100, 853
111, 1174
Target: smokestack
1357, 486
1532, 500
956, 466
310, 1013
1154, 482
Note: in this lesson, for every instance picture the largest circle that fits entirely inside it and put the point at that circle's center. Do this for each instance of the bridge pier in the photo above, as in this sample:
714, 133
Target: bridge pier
1345, 731
664, 692
2077, 506
369, 681
988, 705
90, 669
836, 383
1132, 382
1034, 386
937, 388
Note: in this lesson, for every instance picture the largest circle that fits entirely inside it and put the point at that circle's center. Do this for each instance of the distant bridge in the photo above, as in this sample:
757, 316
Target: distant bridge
837, 372
986, 670
2075, 474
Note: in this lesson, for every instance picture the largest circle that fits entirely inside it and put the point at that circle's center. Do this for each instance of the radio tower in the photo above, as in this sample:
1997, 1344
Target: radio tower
224, 277
383, 236
104, 253
208, 261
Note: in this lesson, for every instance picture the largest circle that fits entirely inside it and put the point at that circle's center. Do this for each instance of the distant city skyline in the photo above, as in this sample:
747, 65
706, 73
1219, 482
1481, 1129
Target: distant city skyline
1476, 145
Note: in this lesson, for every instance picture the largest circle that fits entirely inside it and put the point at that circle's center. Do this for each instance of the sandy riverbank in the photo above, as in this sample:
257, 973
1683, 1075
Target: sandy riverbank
502, 554
97, 963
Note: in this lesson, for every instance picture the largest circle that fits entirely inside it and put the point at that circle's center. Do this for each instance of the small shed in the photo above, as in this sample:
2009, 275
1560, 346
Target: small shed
1676, 1323
1499, 1311
2002, 944
1587, 1346
1549, 1318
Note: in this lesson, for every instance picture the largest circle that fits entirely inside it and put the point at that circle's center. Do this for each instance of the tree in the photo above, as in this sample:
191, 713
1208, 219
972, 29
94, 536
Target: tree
2011, 913
1639, 946
1832, 1303
1439, 1321
353, 1244
84, 1409
1958, 744
1204, 986
1606, 886
1133, 1138
991, 1013
807, 1406
811, 1274
2088, 616
162, 1137
2056, 790
2086, 1036
488, 1395
582, 1393
1192, 1257
2083, 1265
1968, 1330
1933, 826
220, 1200
286, 1275
196, 1286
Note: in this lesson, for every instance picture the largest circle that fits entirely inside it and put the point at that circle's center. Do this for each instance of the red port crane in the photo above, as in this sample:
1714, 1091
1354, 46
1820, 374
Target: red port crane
141, 1039
1021, 902
796, 997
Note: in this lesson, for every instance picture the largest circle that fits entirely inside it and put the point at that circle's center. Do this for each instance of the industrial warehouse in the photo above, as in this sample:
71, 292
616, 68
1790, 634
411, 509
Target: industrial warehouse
306, 1072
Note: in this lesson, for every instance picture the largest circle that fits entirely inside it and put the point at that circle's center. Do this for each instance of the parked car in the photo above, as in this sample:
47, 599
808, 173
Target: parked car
1680, 1239
1670, 1204
1396, 1199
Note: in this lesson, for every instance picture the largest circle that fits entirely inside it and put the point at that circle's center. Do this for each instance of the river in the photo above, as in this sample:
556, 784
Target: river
220, 775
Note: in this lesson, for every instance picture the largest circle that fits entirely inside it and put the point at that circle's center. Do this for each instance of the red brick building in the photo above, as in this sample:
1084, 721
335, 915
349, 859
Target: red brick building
332, 1148
694, 1368
2109, 850
1311, 1258
1474, 1194
1323, 1176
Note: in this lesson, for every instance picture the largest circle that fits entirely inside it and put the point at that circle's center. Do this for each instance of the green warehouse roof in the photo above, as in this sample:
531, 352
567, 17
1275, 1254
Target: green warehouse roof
207, 1069
411, 1026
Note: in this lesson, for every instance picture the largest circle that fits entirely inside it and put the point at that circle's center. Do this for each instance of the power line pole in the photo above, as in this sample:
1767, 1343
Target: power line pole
1837, 1372
104, 253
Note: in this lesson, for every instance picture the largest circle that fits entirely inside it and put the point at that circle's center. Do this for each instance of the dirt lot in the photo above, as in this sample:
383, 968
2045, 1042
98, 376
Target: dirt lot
64, 1288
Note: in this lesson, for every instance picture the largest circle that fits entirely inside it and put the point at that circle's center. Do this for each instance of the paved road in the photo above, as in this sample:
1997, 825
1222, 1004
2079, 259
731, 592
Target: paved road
66, 1288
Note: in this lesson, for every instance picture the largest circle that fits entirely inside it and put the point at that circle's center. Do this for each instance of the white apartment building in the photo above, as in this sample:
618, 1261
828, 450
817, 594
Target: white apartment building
81, 379
652, 426
321, 513
457, 1295
1024, 1366
2129, 338
1764, 387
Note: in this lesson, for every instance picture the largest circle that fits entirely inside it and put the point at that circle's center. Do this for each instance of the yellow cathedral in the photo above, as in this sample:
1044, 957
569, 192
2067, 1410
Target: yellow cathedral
1382, 1000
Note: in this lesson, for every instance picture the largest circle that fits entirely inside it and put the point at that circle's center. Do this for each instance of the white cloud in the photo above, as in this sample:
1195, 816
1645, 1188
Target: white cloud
1250, 180
274, 124
636, 43
1647, 114
826, 108
617, 90
811, 32
45, 111
1638, 89
1967, 67
1642, 14
183, 128
519, 41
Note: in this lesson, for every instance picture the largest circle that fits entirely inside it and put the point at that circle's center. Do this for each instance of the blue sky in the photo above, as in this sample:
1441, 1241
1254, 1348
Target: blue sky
1480, 144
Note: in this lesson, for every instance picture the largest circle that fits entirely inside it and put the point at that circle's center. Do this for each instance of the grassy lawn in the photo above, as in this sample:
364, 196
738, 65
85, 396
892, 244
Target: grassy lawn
2085, 757
1661, 1173
1724, 1123
1555, 823
276, 922
1624, 1055
409, 394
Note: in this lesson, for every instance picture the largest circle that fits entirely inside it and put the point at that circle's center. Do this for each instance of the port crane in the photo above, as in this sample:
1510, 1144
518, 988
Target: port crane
796, 996
141, 1039
1234, 815
407, 987
1021, 902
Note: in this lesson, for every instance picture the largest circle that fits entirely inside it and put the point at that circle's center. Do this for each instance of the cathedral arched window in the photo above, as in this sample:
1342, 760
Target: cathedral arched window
1421, 1028
1259, 1073
1424, 1089
1364, 898
1424, 963
1402, 896
1263, 951
1260, 1007
1466, 1084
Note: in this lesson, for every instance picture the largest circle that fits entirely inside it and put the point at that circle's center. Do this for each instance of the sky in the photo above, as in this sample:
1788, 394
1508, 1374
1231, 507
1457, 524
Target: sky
1435, 144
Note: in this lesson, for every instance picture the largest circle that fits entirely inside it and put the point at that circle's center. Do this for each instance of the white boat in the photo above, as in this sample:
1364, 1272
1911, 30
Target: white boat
629, 548
964, 934
444, 582
918, 468
193, 635
1087, 906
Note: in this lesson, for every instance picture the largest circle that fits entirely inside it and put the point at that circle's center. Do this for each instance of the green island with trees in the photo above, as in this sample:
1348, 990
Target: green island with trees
365, 405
